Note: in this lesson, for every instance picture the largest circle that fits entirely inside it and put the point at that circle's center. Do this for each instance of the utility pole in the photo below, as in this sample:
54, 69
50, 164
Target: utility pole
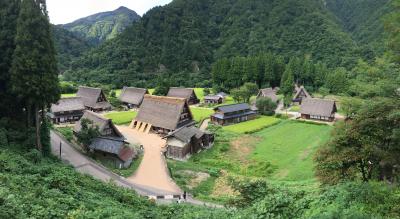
60, 148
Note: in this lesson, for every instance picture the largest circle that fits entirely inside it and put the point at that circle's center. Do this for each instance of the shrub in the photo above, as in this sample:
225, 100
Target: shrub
266, 106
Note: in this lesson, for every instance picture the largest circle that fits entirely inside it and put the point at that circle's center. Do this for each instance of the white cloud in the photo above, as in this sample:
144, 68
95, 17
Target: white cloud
65, 11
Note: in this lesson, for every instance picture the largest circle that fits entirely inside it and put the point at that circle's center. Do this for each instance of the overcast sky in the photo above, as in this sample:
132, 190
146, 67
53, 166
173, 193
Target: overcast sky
65, 11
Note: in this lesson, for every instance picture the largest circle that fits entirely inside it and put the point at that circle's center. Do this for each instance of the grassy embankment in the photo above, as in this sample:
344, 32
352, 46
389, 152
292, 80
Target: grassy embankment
281, 153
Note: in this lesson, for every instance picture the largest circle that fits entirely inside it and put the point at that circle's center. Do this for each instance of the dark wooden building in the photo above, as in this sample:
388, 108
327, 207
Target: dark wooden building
300, 95
268, 93
94, 99
232, 114
66, 110
162, 114
186, 93
318, 109
132, 97
110, 147
186, 141
213, 99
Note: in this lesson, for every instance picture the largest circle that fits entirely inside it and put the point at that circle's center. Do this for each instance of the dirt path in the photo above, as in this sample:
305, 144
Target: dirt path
153, 171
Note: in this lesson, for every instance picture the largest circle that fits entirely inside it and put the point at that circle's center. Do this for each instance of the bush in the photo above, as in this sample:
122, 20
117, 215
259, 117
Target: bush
3, 138
266, 106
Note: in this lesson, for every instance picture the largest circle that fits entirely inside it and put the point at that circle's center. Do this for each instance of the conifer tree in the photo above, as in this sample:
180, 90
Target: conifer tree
8, 18
34, 68
287, 84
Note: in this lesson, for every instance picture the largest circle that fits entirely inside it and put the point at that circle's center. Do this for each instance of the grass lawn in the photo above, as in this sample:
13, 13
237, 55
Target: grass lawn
200, 113
121, 118
290, 147
67, 95
199, 93
295, 108
252, 125
131, 170
67, 132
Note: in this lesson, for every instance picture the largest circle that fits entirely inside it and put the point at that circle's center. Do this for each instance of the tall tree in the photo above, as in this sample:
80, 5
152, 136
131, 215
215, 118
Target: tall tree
8, 14
366, 147
34, 68
287, 84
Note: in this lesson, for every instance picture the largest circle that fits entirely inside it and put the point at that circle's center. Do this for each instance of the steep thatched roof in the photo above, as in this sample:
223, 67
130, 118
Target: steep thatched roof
163, 112
98, 120
181, 92
133, 95
90, 96
112, 146
300, 91
318, 107
268, 92
68, 104
185, 134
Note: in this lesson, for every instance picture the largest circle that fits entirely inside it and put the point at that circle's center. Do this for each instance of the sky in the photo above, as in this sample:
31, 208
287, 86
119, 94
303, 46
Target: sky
66, 11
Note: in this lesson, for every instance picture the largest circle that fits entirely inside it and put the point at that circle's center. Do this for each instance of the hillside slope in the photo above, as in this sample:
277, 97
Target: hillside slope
103, 26
362, 19
188, 36
69, 46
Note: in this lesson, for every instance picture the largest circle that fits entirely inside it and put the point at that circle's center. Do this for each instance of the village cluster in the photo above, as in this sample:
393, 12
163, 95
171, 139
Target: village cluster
170, 117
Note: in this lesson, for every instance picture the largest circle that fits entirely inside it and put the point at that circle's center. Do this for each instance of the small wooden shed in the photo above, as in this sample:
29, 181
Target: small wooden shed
186, 141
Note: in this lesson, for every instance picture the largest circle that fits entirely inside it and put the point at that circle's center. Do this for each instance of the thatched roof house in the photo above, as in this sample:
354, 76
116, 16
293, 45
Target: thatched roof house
110, 145
106, 126
269, 93
213, 99
233, 113
318, 109
185, 141
162, 114
114, 150
93, 98
132, 96
301, 94
66, 110
186, 93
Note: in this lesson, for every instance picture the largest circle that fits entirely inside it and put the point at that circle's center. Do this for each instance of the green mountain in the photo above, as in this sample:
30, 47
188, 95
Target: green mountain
188, 36
103, 26
69, 46
362, 19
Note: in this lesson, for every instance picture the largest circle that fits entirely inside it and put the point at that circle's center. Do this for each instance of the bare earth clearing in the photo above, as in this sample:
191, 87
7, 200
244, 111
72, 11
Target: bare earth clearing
152, 171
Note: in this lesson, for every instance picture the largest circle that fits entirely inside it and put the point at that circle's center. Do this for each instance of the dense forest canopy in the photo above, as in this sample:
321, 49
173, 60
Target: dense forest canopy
187, 37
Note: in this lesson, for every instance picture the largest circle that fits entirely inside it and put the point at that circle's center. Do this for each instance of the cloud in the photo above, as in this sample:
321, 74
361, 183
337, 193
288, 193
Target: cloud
65, 11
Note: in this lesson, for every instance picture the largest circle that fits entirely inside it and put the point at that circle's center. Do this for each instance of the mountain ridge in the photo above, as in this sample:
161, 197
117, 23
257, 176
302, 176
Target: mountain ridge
104, 25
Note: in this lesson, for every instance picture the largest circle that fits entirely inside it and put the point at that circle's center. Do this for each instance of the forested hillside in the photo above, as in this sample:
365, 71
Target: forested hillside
188, 36
363, 20
68, 46
103, 26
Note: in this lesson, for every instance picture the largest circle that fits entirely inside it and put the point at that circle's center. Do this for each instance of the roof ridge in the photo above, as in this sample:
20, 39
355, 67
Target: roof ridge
164, 97
98, 115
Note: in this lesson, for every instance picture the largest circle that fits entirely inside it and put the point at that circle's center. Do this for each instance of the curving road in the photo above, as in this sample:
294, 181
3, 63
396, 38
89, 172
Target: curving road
86, 166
